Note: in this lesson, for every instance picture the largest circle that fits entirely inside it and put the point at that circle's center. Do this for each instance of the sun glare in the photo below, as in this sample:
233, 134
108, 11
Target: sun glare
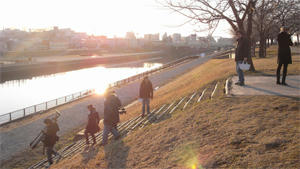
100, 90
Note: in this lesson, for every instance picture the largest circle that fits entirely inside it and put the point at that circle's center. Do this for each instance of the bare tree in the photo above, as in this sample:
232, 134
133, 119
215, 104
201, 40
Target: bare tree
264, 21
270, 15
237, 13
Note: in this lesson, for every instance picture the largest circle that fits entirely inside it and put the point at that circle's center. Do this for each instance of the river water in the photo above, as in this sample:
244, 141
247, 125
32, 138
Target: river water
18, 94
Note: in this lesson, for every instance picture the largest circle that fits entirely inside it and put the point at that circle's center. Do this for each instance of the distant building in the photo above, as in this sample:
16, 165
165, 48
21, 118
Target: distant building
58, 44
193, 38
176, 38
130, 35
225, 42
151, 37
3, 47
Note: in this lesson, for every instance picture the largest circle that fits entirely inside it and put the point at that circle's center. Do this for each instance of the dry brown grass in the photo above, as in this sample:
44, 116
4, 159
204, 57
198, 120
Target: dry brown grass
239, 132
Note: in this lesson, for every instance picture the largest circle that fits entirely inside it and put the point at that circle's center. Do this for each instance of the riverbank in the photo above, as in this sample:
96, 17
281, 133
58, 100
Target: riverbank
62, 64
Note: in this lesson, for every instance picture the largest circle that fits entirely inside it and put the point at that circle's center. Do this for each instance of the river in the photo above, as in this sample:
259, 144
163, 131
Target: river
18, 94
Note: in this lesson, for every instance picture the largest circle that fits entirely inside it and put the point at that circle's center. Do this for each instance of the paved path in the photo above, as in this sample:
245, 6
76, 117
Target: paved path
266, 85
72, 117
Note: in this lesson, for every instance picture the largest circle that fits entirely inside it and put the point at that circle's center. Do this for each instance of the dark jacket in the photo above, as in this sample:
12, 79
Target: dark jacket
93, 121
50, 135
284, 51
112, 105
242, 49
146, 90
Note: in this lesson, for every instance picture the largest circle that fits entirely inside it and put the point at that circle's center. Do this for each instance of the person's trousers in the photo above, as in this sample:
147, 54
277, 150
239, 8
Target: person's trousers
284, 72
240, 72
87, 137
49, 152
107, 129
146, 103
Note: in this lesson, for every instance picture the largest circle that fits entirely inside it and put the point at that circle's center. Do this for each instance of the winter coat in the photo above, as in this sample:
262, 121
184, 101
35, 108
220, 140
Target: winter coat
112, 105
93, 121
146, 90
242, 49
50, 135
284, 51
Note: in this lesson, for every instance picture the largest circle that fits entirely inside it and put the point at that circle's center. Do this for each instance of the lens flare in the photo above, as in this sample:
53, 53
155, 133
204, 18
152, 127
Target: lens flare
100, 90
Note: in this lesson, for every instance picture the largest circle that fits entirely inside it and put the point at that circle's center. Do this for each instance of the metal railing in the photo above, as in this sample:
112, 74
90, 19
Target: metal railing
42, 107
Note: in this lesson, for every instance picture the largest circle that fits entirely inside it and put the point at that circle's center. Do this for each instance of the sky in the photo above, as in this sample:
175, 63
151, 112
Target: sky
99, 17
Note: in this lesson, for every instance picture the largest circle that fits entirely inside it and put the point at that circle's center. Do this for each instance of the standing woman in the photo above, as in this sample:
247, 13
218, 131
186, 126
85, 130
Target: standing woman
93, 124
284, 54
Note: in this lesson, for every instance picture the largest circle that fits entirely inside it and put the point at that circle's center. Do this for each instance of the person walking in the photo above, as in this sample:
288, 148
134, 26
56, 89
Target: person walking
146, 92
241, 55
92, 126
284, 54
112, 105
50, 138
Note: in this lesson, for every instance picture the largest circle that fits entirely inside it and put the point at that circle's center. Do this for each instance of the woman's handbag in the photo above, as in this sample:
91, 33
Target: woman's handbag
244, 65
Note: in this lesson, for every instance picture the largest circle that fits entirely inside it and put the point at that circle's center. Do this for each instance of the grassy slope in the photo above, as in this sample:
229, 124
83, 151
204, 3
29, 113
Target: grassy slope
225, 132
247, 131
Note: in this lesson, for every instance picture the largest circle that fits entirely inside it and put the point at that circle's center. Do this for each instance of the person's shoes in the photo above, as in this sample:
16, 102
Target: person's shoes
59, 157
278, 83
101, 144
285, 84
240, 83
48, 165
118, 137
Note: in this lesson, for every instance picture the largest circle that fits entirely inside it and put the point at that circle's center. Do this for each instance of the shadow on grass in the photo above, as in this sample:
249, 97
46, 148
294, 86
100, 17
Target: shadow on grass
116, 154
89, 153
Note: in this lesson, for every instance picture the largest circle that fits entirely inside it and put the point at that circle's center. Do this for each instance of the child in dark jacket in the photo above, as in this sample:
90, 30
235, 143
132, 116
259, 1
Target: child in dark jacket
92, 126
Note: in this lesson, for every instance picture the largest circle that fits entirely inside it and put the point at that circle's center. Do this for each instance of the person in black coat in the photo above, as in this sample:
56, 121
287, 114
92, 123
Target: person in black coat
50, 138
112, 105
241, 55
92, 126
284, 54
146, 92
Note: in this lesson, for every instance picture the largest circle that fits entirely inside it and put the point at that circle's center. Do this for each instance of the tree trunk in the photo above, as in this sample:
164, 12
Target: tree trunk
272, 41
253, 44
249, 33
265, 49
262, 45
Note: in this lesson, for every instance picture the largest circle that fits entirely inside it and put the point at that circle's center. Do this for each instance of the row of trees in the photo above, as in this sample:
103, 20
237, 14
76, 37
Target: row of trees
259, 20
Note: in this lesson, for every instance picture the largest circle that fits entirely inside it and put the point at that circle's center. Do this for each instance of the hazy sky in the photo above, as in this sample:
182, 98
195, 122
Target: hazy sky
98, 17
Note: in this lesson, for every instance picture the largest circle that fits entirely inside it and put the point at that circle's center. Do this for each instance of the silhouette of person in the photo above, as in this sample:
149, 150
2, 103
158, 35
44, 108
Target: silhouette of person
92, 126
284, 54
146, 92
